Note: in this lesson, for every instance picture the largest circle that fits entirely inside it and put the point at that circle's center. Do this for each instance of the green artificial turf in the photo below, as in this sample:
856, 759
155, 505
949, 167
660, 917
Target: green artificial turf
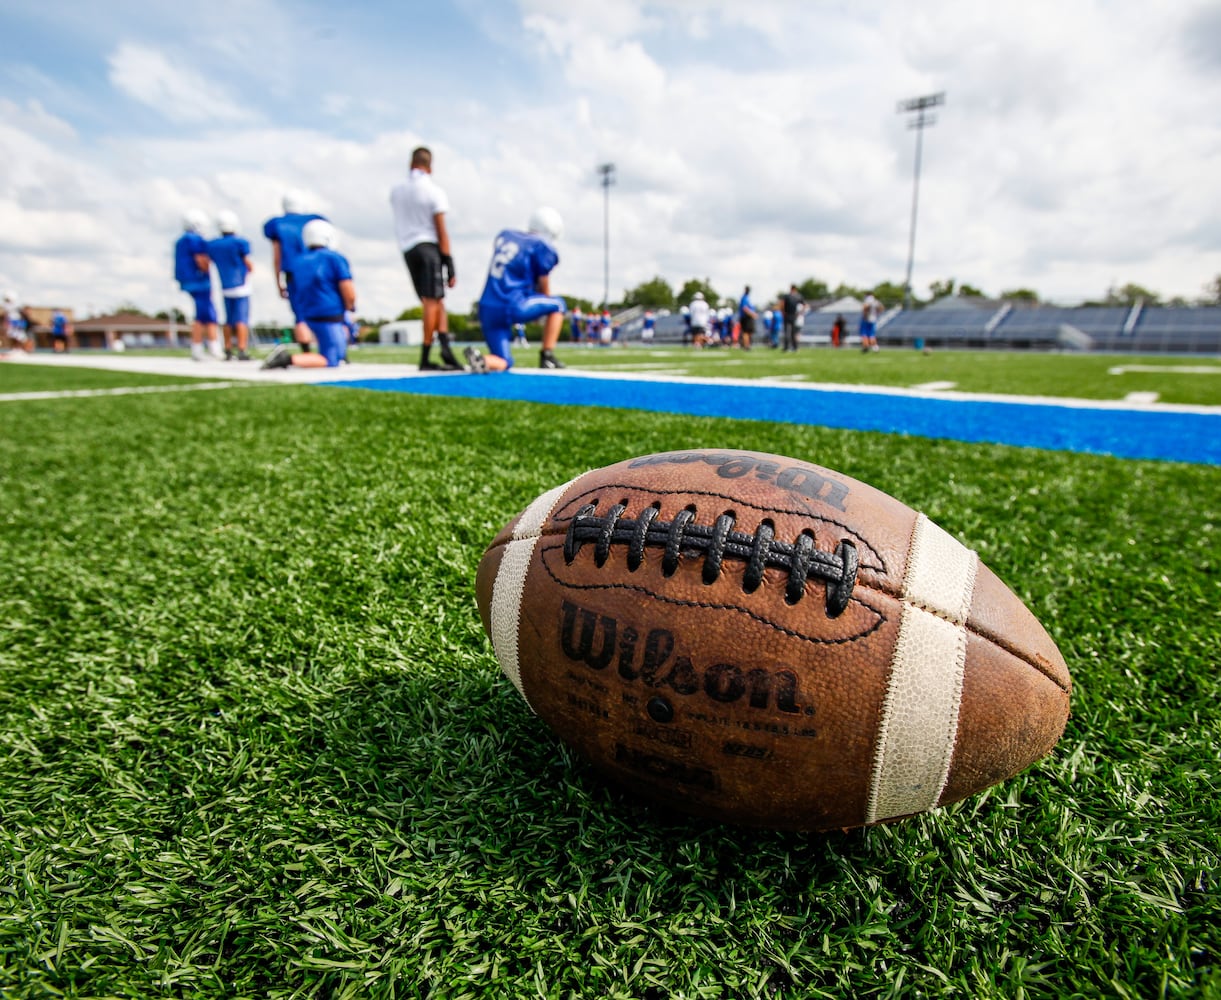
253, 741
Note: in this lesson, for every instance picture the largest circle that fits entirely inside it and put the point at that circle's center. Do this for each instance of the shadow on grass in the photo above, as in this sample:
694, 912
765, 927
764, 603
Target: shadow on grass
464, 770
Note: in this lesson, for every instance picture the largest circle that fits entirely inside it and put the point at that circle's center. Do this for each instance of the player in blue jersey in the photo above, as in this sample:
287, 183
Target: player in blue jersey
193, 272
61, 331
746, 319
284, 231
775, 326
325, 294
650, 324
13, 334
870, 310
518, 290
231, 255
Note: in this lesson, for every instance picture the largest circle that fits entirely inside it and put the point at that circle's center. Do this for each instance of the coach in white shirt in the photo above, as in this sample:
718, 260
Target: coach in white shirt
419, 206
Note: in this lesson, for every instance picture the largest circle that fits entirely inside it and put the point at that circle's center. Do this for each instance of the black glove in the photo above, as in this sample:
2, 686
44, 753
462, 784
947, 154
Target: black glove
447, 265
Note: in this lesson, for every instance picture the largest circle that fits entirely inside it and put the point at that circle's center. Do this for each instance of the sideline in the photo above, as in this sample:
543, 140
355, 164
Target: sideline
210, 368
1100, 427
1122, 428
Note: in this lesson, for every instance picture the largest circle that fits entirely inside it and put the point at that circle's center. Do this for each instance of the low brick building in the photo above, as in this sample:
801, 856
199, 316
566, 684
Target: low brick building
135, 329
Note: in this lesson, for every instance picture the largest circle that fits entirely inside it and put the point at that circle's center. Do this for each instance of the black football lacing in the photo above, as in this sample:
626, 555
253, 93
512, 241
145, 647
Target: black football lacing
714, 542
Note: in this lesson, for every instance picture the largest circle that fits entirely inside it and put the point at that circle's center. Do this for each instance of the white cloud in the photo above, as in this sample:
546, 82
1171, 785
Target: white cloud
172, 87
754, 144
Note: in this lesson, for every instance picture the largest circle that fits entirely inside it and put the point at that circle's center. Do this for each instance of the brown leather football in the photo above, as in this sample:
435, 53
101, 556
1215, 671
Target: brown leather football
763, 641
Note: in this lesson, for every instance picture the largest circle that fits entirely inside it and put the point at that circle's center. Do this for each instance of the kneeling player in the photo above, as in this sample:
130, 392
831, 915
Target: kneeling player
518, 290
325, 292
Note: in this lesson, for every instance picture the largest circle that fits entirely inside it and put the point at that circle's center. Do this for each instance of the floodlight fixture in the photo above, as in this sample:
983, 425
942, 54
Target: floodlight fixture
607, 171
920, 107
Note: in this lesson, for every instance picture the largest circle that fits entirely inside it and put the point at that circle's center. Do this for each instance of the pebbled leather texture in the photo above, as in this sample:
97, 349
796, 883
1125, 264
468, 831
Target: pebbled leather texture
750, 691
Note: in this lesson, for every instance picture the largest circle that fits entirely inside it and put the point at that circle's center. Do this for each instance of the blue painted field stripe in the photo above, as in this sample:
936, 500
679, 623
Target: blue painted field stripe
1171, 435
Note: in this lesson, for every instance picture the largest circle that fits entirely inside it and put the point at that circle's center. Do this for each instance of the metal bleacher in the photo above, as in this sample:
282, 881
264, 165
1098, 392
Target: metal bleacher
1041, 326
937, 327
1128, 329
978, 324
1174, 330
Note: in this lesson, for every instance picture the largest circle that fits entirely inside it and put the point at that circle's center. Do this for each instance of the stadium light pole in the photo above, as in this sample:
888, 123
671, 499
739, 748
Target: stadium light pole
920, 106
607, 170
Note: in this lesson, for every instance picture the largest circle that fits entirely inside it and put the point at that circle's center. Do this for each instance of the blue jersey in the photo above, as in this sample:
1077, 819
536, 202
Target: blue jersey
286, 230
59, 324
744, 303
229, 254
186, 272
518, 261
317, 277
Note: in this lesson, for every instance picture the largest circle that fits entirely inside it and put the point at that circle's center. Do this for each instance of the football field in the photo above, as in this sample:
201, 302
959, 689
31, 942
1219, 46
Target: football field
255, 743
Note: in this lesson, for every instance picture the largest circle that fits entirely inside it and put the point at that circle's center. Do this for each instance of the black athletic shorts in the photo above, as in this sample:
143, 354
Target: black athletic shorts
424, 266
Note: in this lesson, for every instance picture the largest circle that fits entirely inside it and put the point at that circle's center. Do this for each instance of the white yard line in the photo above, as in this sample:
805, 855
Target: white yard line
126, 390
1142, 397
232, 371
889, 390
1169, 369
639, 366
935, 386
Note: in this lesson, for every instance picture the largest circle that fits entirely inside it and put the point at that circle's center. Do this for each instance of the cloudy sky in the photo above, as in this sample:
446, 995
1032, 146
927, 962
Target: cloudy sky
1079, 146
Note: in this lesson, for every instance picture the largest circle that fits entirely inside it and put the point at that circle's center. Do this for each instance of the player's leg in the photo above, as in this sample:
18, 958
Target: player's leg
332, 340
498, 336
550, 309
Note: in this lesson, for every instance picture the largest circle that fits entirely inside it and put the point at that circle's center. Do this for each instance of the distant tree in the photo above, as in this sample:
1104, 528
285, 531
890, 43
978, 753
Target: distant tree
1130, 294
812, 290
888, 293
843, 291
173, 315
1028, 295
940, 289
131, 307
653, 294
693, 285
585, 305
966, 291
1212, 292
417, 312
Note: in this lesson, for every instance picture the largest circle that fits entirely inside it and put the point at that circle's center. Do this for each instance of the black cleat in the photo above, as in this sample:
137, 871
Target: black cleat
447, 356
547, 359
280, 357
474, 358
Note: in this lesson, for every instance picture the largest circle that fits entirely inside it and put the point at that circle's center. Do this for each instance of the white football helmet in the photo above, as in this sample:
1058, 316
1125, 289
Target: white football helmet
293, 203
547, 223
698, 295
318, 233
193, 221
226, 222
10, 297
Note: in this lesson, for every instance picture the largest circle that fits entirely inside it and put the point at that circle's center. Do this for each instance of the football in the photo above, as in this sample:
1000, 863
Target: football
766, 642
